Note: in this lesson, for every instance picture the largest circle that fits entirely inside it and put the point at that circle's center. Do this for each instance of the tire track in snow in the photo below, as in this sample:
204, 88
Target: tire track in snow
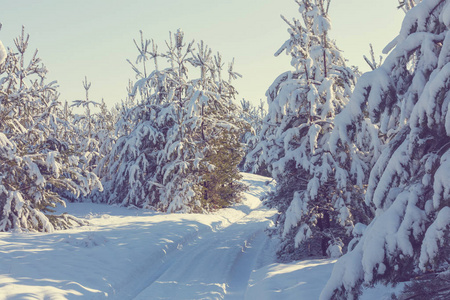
244, 263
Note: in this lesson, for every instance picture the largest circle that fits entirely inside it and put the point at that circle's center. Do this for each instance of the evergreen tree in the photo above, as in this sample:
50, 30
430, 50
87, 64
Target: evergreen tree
408, 96
168, 161
254, 117
220, 186
312, 195
87, 142
104, 122
35, 162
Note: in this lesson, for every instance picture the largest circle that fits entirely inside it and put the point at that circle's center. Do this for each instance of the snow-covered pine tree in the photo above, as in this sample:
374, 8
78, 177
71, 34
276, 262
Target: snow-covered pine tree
408, 96
104, 130
35, 164
316, 215
117, 123
254, 117
129, 173
97, 145
67, 131
166, 162
88, 142
213, 119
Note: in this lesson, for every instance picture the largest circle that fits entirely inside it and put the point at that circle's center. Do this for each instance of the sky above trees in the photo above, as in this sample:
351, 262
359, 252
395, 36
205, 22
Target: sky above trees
94, 38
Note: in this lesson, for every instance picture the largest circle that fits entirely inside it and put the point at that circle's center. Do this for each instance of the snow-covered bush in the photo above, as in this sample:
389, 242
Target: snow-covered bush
167, 158
36, 163
409, 97
317, 205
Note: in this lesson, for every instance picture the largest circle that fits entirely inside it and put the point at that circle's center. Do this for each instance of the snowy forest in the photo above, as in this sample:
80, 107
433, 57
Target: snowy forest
355, 167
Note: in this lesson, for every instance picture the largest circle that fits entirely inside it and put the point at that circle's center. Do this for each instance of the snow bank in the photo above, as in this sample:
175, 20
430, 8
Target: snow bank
298, 280
303, 280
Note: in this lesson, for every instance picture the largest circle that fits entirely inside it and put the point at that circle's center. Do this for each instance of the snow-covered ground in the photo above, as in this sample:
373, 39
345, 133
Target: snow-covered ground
136, 254
302, 280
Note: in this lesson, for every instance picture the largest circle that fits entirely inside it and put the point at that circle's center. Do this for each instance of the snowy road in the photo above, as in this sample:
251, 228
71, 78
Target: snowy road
216, 264
129, 254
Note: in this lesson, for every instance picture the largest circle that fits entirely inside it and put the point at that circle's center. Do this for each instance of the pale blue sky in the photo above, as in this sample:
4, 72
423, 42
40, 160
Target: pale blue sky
95, 37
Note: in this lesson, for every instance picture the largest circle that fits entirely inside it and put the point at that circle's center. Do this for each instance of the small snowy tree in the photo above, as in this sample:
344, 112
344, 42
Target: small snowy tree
104, 122
35, 163
88, 142
253, 116
312, 195
408, 96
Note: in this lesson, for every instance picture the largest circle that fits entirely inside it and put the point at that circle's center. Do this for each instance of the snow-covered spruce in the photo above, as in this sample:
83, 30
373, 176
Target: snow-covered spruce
318, 207
409, 184
95, 131
36, 164
178, 148
254, 117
